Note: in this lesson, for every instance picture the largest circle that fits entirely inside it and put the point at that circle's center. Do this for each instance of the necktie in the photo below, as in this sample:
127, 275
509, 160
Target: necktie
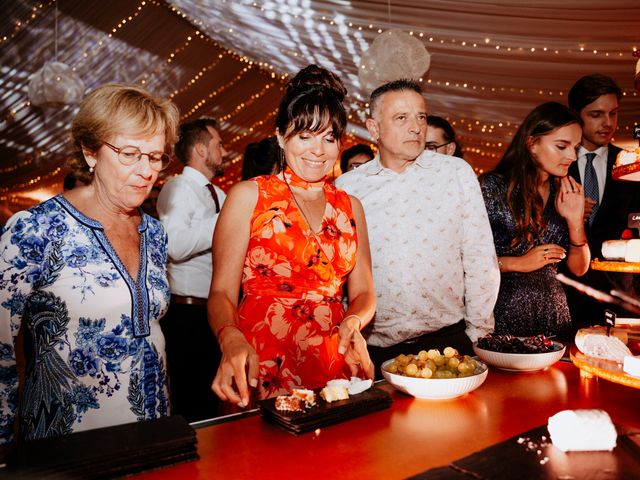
215, 196
591, 185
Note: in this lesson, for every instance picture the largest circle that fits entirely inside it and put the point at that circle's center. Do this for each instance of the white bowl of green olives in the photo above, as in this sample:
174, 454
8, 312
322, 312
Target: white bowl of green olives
433, 375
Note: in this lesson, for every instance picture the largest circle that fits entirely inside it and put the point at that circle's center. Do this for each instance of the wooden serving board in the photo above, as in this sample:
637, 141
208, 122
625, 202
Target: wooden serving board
630, 172
324, 414
612, 266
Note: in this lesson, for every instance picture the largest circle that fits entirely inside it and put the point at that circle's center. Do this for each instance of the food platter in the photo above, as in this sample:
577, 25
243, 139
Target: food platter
324, 414
606, 369
610, 266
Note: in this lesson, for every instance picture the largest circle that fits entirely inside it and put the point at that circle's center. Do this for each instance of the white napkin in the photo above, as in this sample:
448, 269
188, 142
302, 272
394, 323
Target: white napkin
582, 430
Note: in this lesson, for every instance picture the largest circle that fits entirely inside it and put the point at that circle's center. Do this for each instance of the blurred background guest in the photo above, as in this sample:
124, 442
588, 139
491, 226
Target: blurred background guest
260, 158
150, 204
70, 182
84, 273
78, 176
292, 240
355, 156
189, 205
608, 202
441, 137
536, 215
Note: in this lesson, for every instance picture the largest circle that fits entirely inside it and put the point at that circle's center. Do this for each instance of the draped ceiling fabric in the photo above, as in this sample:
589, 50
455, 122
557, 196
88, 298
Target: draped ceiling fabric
491, 62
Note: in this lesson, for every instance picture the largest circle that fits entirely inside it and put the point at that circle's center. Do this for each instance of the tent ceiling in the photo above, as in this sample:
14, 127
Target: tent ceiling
491, 62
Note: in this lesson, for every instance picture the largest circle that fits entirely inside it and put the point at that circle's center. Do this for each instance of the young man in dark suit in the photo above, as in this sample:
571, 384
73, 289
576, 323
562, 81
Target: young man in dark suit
607, 201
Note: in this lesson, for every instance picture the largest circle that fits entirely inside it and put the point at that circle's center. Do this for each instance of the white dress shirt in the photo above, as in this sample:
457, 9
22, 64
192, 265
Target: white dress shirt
599, 164
434, 261
188, 213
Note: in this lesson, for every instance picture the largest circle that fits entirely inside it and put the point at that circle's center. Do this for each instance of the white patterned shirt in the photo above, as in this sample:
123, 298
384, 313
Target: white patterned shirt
434, 261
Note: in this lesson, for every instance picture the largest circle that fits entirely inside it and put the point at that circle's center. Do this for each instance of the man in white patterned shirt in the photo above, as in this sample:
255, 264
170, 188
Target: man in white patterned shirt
434, 263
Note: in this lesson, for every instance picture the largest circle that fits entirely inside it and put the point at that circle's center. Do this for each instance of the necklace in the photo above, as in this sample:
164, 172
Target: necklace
306, 219
292, 179
302, 211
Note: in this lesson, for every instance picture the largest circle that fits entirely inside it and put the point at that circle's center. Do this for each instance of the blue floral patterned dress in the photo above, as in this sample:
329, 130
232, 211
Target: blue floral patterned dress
93, 345
529, 303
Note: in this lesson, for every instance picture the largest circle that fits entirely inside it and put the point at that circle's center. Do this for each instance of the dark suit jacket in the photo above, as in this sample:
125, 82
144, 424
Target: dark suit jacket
620, 198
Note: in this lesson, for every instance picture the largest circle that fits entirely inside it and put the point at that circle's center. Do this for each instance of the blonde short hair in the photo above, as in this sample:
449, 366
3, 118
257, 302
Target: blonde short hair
114, 109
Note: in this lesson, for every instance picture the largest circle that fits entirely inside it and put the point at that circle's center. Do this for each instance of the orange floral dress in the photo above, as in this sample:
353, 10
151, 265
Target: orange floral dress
292, 283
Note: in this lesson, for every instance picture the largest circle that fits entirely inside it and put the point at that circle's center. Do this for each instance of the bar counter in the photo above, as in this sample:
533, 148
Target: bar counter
410, 437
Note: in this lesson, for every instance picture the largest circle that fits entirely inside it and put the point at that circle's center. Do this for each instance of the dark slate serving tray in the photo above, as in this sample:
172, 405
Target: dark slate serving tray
532, 456
105, 452
323, 413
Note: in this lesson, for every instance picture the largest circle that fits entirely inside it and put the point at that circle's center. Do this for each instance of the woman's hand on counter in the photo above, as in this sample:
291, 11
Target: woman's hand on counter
239, 366
354, 347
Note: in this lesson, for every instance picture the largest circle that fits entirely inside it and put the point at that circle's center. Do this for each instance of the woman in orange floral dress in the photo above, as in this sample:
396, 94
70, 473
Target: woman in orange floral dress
292, 240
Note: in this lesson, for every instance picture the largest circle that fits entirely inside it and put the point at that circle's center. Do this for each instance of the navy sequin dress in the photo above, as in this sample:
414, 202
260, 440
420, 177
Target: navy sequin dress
528, 303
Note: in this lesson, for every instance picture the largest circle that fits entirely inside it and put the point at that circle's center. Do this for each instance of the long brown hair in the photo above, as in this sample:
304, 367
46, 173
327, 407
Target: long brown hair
519, 169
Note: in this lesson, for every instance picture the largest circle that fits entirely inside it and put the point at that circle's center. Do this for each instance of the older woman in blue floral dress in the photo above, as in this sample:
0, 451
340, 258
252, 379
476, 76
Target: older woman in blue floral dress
84, 274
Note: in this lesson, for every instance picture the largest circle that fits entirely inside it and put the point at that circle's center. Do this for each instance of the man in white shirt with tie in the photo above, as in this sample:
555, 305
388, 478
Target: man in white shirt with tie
607, 201
188, 207
434, 263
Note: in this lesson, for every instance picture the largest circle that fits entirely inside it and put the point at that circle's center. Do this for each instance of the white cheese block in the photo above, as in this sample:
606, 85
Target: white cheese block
631, 365
633, 251
627, 157
622, 250
332, 394
354, 386
614, 249
582, 430
599, 345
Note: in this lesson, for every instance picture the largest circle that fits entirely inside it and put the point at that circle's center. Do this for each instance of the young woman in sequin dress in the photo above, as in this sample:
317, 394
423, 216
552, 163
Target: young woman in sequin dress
291, 241
536, 215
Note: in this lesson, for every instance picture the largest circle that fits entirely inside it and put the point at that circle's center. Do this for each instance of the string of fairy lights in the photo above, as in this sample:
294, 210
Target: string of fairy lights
172, 56
469, 128
298, 13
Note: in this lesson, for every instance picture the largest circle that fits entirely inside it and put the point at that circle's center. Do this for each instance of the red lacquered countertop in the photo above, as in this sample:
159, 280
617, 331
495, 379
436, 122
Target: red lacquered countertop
408, 438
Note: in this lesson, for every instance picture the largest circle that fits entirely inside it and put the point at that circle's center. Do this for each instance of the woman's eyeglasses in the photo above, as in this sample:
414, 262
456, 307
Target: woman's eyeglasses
130, 155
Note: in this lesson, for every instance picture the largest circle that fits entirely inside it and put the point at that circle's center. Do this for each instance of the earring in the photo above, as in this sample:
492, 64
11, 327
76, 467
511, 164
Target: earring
90, 169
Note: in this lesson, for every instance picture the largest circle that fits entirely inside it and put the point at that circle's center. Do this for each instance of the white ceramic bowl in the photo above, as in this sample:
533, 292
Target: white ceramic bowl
435, 388
520, 362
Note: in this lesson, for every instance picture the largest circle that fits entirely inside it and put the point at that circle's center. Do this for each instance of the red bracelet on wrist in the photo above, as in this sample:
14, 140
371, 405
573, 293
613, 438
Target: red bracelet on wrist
221, 329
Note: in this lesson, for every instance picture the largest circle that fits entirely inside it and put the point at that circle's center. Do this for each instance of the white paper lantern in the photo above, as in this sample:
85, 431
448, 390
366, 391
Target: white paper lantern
393, 55
55, 84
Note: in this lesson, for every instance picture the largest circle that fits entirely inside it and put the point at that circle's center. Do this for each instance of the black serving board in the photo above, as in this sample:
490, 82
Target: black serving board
323, 413
105, 452
531, 455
